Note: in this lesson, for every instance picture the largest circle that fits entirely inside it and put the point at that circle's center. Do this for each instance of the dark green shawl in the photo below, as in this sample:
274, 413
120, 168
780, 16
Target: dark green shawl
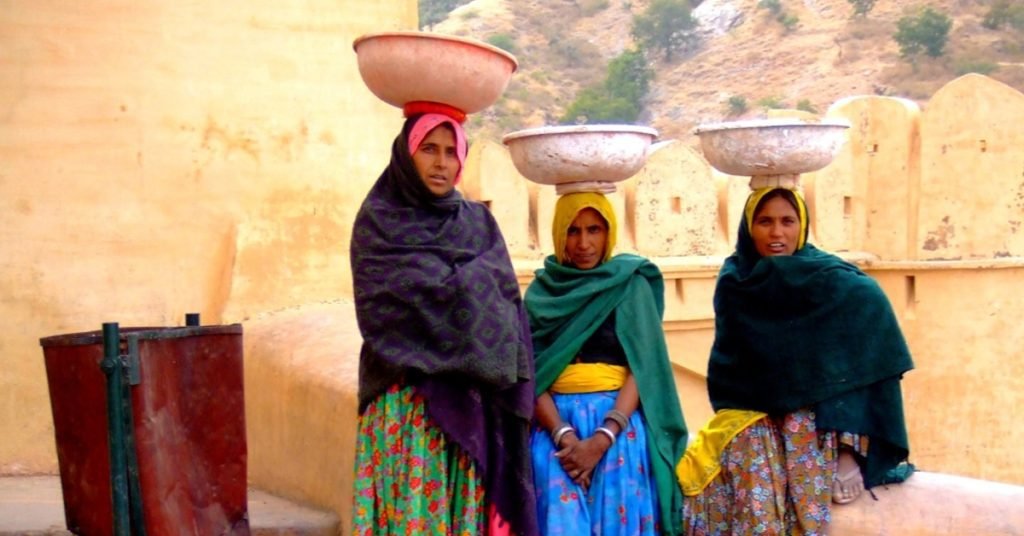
811, 330
566, 305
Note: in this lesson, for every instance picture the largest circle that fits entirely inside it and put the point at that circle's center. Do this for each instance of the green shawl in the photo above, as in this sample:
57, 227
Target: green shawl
567, 305
811, 330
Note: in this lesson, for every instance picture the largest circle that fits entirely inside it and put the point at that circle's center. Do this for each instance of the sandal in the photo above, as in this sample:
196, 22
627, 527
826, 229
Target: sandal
848, 486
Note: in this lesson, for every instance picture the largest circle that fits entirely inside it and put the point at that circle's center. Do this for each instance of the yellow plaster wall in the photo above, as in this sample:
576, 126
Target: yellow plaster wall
964, 397
972, 174
674, 207
872, 179
158, 158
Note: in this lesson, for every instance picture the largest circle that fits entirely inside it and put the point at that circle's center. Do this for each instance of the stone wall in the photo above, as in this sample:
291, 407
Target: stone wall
159, 158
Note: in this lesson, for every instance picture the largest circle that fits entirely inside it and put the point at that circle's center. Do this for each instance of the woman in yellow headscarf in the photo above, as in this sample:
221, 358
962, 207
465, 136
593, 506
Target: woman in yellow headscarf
804, 376
608, 426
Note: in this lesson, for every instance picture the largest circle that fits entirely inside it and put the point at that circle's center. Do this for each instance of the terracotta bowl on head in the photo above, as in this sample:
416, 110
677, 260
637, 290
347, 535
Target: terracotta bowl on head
404, 67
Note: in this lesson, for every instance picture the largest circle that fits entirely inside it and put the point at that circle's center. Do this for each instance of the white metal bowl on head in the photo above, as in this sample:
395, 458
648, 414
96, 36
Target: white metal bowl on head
581, 153
403, 67
771, 146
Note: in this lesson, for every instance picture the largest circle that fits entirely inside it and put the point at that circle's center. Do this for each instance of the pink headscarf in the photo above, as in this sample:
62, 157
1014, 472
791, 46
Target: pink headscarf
429, 122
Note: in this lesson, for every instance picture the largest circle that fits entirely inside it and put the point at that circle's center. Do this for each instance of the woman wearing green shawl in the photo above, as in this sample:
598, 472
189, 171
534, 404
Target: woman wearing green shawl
804, 377
608, 422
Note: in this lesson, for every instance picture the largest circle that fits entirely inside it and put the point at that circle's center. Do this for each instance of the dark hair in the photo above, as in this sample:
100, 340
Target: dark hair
785, 194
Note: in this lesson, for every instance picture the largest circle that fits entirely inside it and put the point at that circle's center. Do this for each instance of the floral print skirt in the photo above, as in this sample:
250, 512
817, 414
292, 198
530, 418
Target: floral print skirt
408, 479
776, 478
622, 499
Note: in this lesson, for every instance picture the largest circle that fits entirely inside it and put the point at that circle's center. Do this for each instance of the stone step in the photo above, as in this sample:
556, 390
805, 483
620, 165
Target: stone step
33, 506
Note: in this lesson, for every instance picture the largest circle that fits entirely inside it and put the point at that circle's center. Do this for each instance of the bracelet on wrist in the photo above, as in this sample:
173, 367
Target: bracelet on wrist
608, 433
560, 432
618, 418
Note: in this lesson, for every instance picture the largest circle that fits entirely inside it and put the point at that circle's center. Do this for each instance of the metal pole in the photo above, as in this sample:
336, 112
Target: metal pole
135, 504
111, 366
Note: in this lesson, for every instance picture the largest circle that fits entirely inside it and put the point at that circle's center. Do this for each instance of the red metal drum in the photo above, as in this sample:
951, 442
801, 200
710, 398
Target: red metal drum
188, 428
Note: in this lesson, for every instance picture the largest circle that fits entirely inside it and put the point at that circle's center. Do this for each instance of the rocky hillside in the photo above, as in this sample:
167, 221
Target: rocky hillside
745, 55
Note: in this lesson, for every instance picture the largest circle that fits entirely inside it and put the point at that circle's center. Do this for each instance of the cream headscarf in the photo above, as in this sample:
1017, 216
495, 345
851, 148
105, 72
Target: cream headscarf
566, 209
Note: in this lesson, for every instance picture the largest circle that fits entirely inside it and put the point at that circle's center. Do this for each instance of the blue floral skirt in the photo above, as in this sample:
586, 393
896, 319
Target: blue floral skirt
622, 499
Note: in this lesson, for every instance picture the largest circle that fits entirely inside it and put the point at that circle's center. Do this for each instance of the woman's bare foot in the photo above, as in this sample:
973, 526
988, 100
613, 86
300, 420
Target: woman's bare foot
848, 483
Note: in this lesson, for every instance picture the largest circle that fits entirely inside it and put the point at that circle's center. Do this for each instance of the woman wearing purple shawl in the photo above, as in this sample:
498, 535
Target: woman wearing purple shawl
446, 367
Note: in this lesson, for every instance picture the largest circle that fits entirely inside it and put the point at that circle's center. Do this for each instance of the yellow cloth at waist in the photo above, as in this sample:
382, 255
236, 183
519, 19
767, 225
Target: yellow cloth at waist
590, 378
701, 462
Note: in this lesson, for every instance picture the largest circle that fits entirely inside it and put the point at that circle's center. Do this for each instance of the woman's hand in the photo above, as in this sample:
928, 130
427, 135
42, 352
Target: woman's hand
579, 457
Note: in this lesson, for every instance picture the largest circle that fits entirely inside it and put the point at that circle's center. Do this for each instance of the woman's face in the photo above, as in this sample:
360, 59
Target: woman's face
436, 161
586, 239
776, 228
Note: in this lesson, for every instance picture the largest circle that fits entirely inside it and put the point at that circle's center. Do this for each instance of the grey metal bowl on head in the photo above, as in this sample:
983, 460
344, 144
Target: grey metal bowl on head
771, 146
580, 154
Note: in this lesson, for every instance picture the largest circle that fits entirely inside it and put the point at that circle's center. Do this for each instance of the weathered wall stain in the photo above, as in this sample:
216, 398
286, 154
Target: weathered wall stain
939, 238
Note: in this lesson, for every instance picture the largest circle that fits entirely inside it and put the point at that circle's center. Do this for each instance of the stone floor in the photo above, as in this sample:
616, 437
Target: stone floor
33, 506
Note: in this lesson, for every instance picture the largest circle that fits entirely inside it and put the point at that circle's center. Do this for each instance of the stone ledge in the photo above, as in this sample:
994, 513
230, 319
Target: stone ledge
33, 506
300, 393
934, 504
301, 381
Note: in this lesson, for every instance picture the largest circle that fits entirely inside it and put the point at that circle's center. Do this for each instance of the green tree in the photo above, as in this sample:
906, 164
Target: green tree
665, 26
619, 98
861, 8
629, 77
926, 32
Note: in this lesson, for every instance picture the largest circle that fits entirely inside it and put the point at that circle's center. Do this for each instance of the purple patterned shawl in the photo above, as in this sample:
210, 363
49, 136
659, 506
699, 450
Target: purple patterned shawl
439, 308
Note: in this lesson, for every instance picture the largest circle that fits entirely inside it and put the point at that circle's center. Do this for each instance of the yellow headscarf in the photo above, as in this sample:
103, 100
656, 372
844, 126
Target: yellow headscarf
566, 209
757, 195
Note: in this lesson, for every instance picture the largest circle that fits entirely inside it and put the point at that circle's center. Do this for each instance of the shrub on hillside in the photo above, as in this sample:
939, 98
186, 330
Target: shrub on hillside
1004, 12
665, 26
503, 41
806, 106
775, 6
787, 20
619, 98
771, 103
736, 105
861, 8
927, 32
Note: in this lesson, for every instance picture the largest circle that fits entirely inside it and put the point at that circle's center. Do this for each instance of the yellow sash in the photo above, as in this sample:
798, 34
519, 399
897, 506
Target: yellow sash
700, 464
590, 378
